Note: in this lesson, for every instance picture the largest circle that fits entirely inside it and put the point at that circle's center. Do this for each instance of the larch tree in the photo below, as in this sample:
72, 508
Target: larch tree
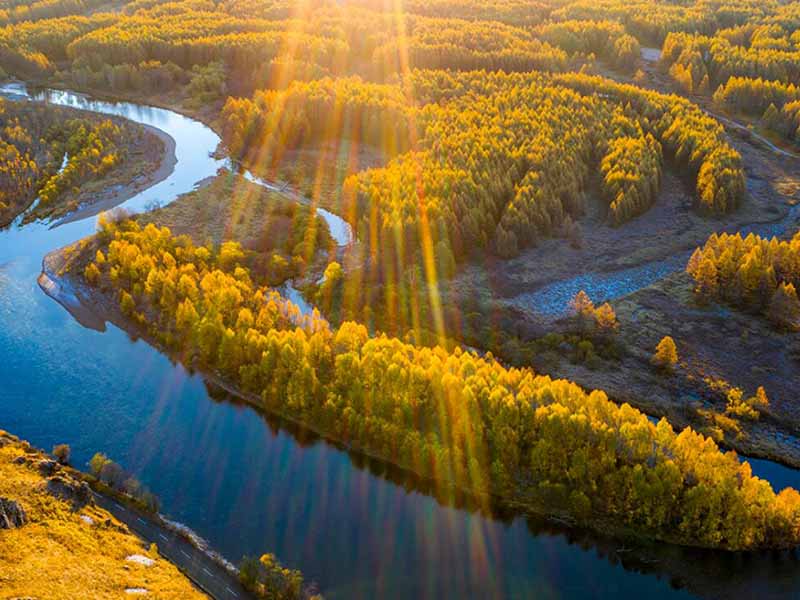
666, 355
583, 311
784, 308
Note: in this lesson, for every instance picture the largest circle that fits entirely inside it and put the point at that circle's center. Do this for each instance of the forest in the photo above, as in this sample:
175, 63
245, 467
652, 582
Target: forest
271, 44
750, 68
480, 190
753, 273
484, 154
48, 153
453, 416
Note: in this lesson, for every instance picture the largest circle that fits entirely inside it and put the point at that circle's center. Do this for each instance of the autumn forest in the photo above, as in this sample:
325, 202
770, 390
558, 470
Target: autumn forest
530, 261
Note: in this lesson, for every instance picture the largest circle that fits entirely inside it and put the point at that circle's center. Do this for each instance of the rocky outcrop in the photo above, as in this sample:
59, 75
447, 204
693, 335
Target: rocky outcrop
12, 514
48, 467
77, 492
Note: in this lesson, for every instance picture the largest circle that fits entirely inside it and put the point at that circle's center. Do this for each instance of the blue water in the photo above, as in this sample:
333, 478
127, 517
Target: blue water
251, 486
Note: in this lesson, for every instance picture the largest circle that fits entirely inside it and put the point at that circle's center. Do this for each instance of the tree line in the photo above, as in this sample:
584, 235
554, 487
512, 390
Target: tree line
776, 104
450, 415
496, 162
13, 11
766, 47
606, 39
754, 273
652, 22
262, 128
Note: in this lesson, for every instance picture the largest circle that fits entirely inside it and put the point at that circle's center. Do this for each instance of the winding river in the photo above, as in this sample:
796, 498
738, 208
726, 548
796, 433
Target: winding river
249, 484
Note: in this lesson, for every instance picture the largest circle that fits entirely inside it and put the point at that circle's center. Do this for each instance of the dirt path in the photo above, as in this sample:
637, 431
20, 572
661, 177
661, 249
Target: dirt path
763, 140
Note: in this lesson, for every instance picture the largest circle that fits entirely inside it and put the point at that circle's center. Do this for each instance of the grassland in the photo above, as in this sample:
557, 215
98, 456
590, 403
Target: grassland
67, 551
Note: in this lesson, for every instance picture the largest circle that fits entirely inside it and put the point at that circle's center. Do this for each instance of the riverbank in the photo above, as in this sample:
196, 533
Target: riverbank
82, 497
282, 239
516, 493
141, 156
116, 195
715, 343
124, 405
717, 346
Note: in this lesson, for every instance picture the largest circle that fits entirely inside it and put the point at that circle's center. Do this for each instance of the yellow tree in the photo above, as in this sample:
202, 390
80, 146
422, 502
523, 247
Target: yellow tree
583, 310
666, 355
606, 319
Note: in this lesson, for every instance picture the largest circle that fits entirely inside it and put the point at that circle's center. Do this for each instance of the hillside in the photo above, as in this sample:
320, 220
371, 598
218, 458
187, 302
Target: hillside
65, 545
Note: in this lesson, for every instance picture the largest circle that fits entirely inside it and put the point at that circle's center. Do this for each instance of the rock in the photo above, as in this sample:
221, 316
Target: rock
47, 467
77, 492
141, 559
11, 514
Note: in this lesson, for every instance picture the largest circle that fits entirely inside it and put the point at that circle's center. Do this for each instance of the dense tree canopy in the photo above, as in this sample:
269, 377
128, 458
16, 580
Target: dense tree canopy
760, 54
452, 416
752, 272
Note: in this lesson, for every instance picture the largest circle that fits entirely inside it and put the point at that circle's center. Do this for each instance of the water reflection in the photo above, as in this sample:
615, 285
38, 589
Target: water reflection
687, 571
250, 483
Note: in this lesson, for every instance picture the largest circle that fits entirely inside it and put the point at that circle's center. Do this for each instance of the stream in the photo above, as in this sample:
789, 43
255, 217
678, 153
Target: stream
553, 300
250, 484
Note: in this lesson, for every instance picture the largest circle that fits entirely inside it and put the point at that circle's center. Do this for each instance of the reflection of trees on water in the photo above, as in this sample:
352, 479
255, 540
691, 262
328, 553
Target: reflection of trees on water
707, 573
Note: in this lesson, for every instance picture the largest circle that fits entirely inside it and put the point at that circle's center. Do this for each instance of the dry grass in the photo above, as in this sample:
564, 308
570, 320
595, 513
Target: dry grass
231, 208
58, 555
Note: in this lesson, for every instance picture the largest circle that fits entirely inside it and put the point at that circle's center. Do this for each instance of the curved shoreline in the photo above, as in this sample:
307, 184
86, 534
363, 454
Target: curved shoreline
632, 551
105, 309
64, 286
340, 228
64, 290
165, 168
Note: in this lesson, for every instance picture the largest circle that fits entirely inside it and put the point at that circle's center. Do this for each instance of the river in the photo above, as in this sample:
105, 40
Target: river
249, 484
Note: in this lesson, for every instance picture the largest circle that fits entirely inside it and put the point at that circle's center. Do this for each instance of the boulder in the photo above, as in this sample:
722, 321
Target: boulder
12, 514
77, 492
48, 467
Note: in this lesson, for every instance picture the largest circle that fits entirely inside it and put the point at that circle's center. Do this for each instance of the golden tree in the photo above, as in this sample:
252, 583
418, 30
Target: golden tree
666, 355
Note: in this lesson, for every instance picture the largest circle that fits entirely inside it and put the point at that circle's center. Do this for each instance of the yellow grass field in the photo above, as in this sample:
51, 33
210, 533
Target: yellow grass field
61, 553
